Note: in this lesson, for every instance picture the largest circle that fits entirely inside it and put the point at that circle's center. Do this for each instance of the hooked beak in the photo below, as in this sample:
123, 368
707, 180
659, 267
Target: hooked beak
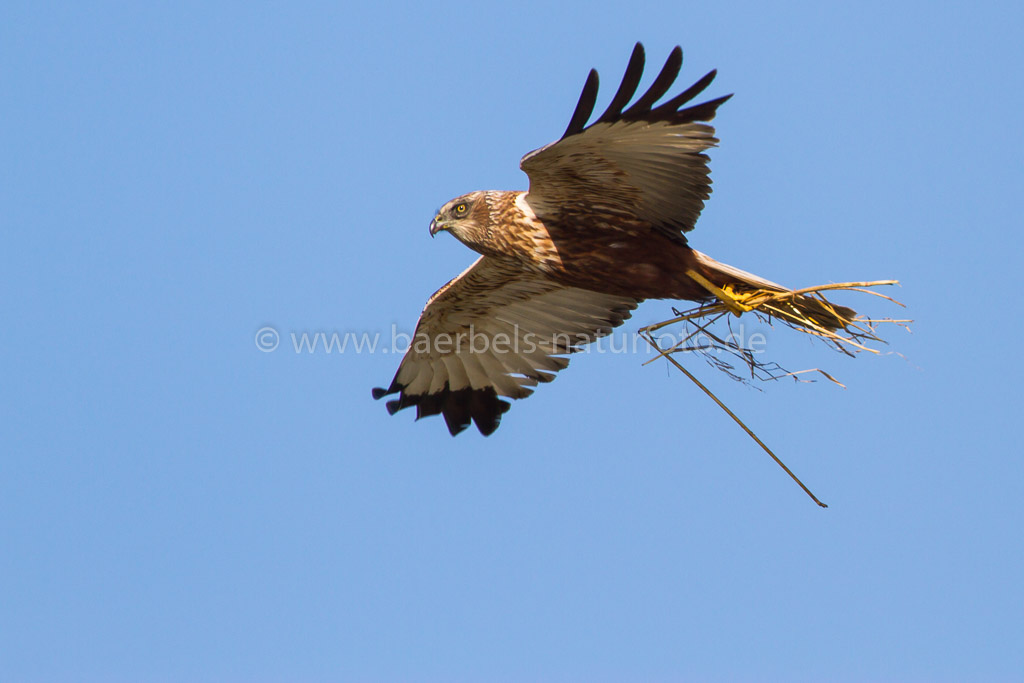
435, 226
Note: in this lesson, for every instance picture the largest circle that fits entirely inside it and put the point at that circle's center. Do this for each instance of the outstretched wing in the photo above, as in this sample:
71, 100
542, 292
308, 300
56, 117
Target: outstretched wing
495, 331
644, 162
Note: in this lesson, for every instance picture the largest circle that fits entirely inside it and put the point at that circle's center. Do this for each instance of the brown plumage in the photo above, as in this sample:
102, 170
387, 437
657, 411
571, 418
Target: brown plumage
600, 230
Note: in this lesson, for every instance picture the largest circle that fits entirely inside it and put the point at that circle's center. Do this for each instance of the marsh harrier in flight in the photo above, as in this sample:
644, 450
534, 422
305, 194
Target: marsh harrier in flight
601, 228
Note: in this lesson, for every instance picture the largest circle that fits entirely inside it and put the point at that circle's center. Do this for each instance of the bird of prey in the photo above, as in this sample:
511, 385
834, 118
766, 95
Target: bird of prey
601, 228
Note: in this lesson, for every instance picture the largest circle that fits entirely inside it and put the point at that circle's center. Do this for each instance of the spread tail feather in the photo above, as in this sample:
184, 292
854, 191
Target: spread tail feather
827, 315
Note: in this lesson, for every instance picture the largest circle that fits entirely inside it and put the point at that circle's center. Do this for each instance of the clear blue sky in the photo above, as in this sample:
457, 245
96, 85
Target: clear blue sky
176, 504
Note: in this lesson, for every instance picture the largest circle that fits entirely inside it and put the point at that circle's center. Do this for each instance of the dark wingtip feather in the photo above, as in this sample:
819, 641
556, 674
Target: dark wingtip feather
644, 108
666, 77
704, 111
682, 98
460, 408
431, 404
456, 412
454, 427
379, 393
486, 409
585, 106
630, 81
488, 428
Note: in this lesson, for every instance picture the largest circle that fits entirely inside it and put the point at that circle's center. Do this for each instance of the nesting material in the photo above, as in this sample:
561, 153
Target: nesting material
805, 310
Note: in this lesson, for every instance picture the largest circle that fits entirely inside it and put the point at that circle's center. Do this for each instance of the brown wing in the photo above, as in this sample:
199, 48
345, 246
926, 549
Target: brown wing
495, 331
644, 162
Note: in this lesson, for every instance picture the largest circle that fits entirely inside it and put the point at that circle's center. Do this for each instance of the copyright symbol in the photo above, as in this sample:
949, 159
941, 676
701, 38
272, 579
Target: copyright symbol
267, 339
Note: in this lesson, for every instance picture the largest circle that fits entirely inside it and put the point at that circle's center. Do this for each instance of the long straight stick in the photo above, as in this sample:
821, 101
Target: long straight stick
735, 418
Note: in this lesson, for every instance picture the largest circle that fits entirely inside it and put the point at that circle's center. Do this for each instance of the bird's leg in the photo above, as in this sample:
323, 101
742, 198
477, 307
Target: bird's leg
729, 299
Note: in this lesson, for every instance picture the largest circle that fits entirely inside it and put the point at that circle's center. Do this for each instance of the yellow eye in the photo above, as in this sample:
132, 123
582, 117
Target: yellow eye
460, 209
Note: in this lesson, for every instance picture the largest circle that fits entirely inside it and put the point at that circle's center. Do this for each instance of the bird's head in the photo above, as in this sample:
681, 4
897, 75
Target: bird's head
464, 217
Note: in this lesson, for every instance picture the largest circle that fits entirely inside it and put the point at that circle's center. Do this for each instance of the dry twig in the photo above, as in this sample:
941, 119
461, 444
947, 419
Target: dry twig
726, 354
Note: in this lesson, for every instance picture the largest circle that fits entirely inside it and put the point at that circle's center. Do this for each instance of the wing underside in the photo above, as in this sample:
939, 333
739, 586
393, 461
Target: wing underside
491, 334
